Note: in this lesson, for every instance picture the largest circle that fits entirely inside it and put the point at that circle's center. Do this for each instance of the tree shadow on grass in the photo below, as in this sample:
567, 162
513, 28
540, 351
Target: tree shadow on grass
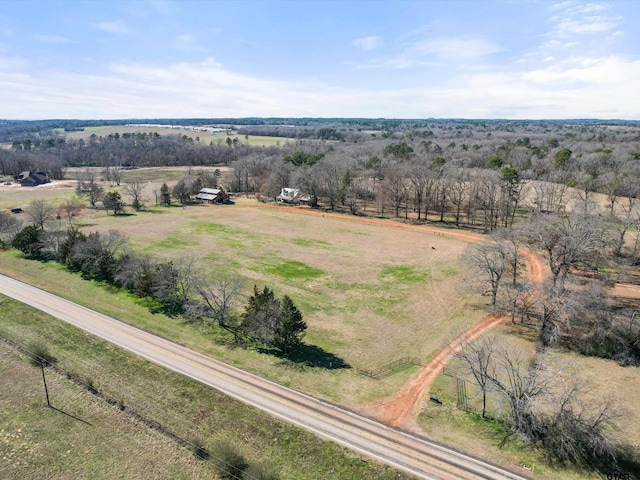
309, 356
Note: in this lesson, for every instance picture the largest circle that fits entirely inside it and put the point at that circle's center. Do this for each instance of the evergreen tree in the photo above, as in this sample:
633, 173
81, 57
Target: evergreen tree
165, 195
272, 322
262, 316
292, 327
113, 201
29, 240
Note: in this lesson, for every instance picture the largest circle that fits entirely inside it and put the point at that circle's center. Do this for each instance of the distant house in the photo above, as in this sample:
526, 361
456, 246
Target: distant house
32, 179
212, 195
288, 195
293, 195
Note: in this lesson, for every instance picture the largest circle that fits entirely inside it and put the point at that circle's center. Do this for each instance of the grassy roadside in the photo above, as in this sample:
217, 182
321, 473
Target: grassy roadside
37, 442
41, 443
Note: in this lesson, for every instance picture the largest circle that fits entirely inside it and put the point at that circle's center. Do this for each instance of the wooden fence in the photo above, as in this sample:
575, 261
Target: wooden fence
388, 368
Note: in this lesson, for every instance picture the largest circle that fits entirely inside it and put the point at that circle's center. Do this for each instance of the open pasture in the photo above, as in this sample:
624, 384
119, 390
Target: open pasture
205, 137
370, 293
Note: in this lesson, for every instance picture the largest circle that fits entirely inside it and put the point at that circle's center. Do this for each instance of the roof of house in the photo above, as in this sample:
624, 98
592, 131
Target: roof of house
206, 196
35, 178
212, 191
288, 193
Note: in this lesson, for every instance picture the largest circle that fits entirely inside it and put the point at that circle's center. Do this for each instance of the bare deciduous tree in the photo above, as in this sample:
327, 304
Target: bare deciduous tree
520, 381
39, 212
69, 209
136, 191
220, 297
186, 268
9, 227
477, 359
88, 185
567, 240
491, 261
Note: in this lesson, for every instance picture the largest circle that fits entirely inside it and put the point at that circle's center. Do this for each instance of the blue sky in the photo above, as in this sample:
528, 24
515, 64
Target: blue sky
304, 58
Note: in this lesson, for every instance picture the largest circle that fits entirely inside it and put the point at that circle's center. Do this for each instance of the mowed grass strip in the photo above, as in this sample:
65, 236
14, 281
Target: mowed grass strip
37, 442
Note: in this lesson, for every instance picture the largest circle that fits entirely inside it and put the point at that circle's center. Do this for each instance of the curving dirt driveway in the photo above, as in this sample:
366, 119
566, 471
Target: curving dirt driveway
403, 408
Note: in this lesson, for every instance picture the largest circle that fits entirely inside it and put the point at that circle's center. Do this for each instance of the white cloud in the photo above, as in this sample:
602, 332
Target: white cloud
185, 38
448, 48
368, 43
164, 7
581, 19
188, 42
442, 50
436, 52
583, 26
119, 28
606, 72
580, 87
52, 39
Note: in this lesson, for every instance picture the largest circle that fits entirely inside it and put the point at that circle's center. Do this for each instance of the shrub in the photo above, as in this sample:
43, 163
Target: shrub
198, 449
229, 462
29, 241
39, 354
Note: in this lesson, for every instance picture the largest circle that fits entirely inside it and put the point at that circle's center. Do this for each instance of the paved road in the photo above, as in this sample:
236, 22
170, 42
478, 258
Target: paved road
415, 455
